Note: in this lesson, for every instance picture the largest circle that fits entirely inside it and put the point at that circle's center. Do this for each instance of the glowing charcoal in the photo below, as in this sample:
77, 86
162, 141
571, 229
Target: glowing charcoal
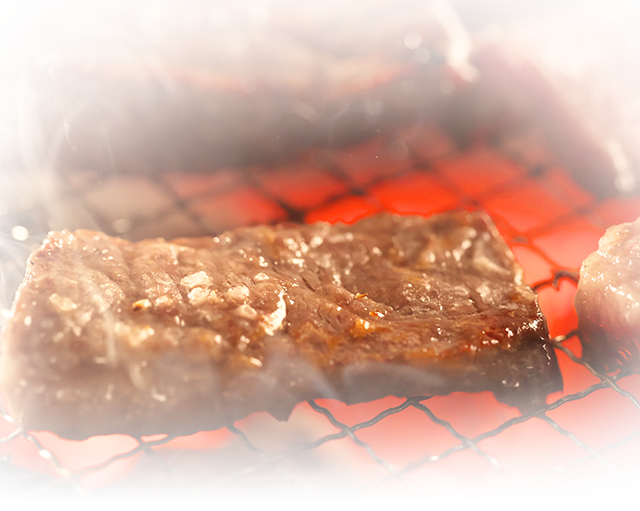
110, 336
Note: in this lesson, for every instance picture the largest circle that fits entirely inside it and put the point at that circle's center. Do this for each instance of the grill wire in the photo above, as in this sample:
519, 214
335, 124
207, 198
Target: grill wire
416, 170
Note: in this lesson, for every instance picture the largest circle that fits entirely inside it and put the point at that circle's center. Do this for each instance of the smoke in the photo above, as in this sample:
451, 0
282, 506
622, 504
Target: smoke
33, 197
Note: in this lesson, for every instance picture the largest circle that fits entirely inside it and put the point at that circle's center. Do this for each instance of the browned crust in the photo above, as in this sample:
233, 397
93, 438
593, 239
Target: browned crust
176, 337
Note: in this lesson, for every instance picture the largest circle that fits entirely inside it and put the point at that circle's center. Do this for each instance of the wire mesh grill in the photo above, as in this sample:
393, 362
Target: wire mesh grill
422, 443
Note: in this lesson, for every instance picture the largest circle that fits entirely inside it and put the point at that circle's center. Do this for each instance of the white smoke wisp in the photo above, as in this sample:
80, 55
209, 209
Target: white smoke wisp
32, 194
40, 111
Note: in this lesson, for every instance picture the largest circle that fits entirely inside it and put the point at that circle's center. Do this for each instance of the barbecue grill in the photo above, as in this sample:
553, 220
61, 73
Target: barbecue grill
363, 150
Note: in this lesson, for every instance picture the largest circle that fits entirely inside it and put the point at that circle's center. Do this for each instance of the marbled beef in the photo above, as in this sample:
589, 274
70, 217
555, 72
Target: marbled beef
111, 336
608, 301
576, 71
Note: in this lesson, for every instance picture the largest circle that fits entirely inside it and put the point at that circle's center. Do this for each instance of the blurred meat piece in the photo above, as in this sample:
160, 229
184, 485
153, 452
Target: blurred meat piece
576, 71
198, 84
111, 336
608, 301
324, 472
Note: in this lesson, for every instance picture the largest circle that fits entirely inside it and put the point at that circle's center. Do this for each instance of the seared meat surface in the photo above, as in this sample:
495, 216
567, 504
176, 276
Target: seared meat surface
576, 71
112, 336
608, 301
151, 86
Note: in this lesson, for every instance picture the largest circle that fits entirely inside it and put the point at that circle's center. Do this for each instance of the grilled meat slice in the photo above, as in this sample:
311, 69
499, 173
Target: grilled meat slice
131, 86
174, 337
608, 301
576, 71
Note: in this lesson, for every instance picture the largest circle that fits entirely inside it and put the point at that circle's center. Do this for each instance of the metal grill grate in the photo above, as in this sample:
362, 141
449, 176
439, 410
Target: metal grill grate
422, 444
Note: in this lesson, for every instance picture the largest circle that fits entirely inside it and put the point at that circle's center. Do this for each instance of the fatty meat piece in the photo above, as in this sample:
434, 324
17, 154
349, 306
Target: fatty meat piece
110, 336
608, 301
576, 71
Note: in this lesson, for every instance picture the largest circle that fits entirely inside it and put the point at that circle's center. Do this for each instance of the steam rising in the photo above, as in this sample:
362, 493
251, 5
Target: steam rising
32, 195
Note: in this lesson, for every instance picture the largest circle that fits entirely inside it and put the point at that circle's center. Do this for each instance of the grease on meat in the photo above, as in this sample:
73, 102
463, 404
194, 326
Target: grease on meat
608, 301
110, 336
